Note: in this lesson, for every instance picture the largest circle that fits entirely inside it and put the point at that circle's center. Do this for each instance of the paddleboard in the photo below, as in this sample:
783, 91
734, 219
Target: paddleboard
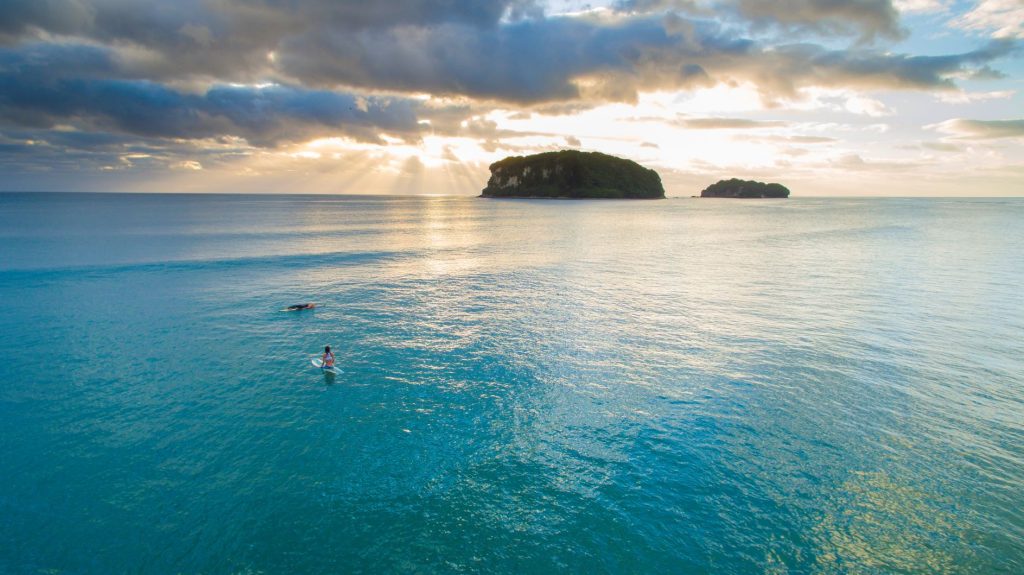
319, 363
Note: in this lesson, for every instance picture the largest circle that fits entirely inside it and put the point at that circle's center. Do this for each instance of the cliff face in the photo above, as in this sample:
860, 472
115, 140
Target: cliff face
571, 174
744, 189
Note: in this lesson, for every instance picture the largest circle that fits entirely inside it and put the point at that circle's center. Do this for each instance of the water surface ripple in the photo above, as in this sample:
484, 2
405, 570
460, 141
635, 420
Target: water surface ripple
681, 386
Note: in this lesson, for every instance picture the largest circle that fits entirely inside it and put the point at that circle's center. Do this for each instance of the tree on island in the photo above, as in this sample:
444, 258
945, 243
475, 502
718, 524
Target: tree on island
572, 174
736, 188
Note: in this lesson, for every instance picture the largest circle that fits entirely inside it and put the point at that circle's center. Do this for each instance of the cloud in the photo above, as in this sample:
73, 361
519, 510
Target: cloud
604, 60
792, 139
230, 40
46, 86
980, 129
26, 152
868, 18
964, 97
110, 81
151, 23
18, 17
867, 107
920, 6
504, 50
864, 18
511, 63
940, 147
727, 124
187, 165
64, 140
1001, 18
811, 139
856, 163
804, 64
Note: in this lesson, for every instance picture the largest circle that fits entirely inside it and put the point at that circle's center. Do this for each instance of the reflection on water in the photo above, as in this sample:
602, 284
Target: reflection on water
529, 386
877, 524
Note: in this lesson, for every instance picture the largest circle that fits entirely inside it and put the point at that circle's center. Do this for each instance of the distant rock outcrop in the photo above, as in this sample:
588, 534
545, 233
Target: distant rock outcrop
572, 174
744, 189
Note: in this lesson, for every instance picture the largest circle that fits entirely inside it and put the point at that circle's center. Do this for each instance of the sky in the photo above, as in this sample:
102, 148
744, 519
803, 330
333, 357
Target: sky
828, 97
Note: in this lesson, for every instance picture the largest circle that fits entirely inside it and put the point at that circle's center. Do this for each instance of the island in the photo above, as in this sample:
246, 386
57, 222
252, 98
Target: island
572, 174
735, 188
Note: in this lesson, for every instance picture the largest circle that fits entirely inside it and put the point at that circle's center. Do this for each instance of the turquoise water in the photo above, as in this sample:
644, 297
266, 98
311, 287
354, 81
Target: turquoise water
678, 386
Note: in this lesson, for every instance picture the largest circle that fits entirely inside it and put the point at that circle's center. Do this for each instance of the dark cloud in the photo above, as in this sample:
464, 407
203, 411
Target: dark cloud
564, 59
359, 14
151, 23
864, 18
471, 48
36, 151
231, 40
41, 92
867, 18
529, 61
785, 69
73, 140
20, 17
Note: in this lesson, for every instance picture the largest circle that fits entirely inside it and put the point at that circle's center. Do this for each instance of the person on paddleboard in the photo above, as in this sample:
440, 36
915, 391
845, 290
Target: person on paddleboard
298, 306
328, 358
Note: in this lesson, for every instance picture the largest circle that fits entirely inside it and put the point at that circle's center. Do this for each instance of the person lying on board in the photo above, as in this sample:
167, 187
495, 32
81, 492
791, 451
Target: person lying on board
298, 306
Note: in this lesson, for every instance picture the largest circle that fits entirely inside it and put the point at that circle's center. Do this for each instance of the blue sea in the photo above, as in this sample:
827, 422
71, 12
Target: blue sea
529, 386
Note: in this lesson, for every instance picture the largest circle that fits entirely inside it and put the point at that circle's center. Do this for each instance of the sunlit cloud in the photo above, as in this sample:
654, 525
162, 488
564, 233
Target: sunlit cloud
921, 6
187, 165
727, 124
980, 129
867, 106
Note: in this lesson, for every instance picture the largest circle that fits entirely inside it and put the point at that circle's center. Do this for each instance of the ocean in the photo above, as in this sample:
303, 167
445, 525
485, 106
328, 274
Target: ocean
811, 385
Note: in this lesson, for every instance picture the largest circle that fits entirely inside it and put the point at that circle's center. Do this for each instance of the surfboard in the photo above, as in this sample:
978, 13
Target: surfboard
319, 363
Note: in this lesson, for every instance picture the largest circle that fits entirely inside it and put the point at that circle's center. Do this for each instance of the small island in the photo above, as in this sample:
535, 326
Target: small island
735, 188
572, 174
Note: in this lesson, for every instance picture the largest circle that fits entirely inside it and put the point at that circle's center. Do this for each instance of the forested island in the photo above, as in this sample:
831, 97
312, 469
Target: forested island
580, 175
735, 188
572, 174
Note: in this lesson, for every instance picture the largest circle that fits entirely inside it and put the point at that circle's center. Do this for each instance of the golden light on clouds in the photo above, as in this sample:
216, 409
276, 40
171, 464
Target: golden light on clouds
337, 96
692, 138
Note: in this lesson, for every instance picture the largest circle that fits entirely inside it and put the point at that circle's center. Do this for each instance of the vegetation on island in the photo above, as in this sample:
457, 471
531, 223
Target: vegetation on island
735, 188
572, 174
